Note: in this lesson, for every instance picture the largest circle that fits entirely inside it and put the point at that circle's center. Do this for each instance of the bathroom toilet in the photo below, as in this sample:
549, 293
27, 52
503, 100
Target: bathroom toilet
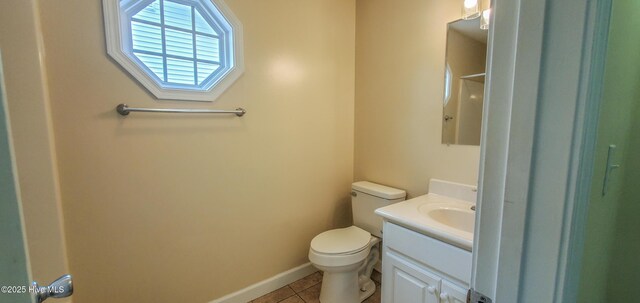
347, 255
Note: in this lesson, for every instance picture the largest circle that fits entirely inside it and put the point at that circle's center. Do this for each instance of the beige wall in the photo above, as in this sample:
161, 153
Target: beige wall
178, 208
27, 97
400, 49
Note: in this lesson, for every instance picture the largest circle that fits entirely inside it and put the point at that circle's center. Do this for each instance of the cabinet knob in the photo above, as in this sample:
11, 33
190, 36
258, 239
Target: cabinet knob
444, 296
431, 290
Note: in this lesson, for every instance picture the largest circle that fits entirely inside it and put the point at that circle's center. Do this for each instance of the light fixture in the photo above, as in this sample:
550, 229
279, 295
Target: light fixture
470, 9
484, 19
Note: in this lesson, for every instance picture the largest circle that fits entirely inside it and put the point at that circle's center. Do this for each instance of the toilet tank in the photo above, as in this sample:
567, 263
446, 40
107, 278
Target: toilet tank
366, 197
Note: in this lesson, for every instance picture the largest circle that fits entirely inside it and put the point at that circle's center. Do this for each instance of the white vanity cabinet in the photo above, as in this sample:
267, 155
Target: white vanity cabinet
420, 269
405, 281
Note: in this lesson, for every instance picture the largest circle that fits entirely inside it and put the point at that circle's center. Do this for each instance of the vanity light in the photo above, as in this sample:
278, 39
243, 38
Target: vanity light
484, 19
470, 9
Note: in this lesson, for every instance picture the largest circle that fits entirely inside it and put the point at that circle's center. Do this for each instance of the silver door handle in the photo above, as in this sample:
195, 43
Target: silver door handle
60, 288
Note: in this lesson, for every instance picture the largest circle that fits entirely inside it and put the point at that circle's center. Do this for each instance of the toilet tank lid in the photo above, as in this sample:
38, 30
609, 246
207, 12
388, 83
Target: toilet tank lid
378, 190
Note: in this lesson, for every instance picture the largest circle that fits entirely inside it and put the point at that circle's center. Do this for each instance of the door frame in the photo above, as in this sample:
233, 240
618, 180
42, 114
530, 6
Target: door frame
544, 82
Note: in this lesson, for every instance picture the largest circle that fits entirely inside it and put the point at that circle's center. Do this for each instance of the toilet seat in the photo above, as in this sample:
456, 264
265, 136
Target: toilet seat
340, 247
341, 241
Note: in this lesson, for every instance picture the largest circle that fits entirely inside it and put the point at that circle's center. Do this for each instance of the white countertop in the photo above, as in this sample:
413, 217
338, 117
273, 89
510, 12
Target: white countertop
413, 214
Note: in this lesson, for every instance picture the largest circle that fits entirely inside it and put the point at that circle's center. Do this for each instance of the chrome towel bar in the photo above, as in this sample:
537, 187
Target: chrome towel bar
124, 110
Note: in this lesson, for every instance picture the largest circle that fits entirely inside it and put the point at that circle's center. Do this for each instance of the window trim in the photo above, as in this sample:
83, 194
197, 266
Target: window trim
115, 23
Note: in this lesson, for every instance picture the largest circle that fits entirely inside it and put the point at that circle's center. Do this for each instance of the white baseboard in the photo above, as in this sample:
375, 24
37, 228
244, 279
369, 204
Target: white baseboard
266, 286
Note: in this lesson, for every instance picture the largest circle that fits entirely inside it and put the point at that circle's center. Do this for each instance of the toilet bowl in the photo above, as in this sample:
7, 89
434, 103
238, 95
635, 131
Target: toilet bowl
342, 254
347, 255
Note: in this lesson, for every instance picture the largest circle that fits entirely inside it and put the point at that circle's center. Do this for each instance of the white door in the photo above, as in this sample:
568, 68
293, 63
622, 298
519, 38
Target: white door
15, 275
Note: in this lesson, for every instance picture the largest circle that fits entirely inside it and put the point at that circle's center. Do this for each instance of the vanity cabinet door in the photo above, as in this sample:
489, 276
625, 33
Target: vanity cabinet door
407, 282
452, 293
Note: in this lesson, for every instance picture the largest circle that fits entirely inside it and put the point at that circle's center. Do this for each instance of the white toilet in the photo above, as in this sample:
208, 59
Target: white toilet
347, 255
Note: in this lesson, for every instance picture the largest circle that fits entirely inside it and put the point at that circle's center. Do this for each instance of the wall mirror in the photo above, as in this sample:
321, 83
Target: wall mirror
465, 64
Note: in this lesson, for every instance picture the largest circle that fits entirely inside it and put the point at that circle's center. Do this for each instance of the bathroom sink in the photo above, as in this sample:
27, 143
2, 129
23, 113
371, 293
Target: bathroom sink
462, 218
444, 218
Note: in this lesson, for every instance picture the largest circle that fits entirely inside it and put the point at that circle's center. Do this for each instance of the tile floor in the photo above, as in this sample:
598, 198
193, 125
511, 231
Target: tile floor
307, 290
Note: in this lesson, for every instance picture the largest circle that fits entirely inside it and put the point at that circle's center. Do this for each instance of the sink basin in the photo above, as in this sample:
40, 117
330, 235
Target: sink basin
454, 217
444, 218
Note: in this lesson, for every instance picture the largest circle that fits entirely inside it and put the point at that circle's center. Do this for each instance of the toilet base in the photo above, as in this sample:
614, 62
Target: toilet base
367, 289
340, 287
352, 283
345, 287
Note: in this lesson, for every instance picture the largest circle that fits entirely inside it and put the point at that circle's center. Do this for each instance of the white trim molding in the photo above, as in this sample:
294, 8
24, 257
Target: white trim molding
266, 286
117, 49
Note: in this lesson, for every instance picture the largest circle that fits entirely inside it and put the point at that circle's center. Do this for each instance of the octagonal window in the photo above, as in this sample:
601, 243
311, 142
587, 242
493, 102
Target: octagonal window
178, 49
